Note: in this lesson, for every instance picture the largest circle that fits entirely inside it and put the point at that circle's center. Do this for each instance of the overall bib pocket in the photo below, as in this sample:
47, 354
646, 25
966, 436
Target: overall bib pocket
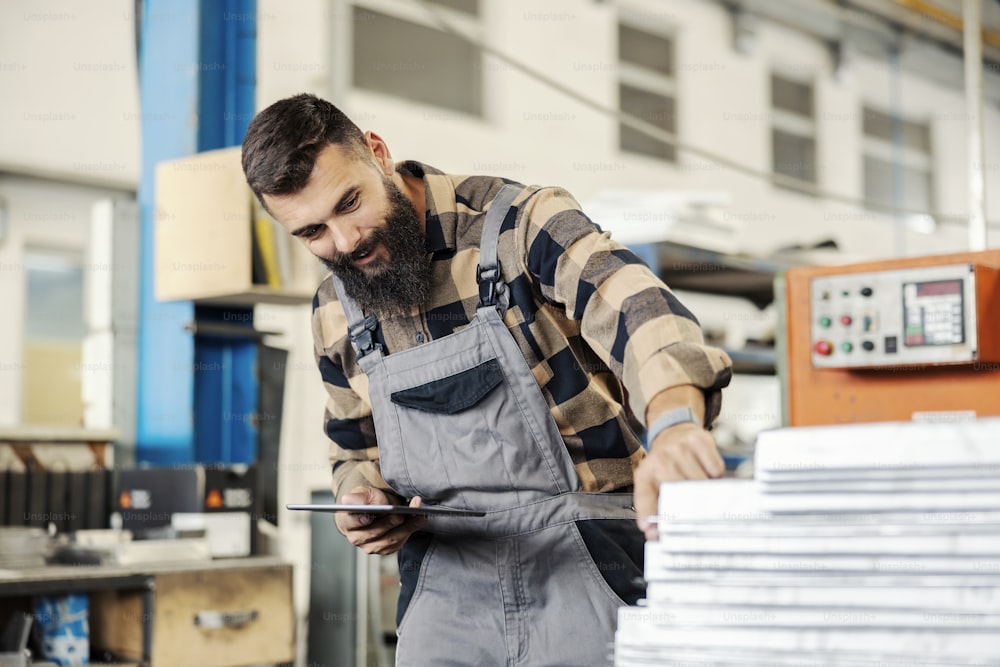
454, 393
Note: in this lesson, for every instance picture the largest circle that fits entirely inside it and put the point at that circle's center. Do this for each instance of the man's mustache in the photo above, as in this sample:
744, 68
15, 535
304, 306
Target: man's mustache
346, 259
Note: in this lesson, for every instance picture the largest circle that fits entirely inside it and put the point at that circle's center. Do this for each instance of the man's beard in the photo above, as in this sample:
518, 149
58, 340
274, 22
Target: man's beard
399, 283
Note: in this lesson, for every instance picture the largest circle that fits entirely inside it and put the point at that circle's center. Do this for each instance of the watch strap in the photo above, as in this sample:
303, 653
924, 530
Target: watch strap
668, 419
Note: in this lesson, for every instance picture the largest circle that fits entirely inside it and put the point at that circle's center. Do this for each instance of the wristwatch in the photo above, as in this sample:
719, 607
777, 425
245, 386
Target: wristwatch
668, 419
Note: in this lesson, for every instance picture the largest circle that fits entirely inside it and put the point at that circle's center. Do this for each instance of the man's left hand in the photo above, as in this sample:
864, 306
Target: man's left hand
682, 452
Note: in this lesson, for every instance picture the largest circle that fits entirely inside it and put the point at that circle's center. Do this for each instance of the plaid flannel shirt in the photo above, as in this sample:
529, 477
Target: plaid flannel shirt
600, 332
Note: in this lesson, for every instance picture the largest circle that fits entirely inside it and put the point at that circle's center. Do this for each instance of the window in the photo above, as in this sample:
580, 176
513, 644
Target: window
401, 52
53, 337
646, 88
793, 129
898, 166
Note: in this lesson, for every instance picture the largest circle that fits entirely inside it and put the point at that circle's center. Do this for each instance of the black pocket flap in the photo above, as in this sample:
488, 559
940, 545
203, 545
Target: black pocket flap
453, 393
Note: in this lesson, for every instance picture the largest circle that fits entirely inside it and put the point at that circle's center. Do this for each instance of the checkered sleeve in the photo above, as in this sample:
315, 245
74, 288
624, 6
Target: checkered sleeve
627, 315
347, 419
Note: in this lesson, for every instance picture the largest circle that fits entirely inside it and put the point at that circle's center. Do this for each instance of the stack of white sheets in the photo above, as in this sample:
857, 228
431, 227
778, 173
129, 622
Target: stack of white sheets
855, 545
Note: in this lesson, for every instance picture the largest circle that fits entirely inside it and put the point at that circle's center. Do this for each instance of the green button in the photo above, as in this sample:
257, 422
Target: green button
824, 321
846, 347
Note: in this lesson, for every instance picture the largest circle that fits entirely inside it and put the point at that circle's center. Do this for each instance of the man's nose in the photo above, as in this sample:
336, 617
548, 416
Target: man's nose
346, 237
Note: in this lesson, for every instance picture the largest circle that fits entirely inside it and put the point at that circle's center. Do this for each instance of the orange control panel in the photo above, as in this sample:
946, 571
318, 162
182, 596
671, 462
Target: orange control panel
884, 341
926, 315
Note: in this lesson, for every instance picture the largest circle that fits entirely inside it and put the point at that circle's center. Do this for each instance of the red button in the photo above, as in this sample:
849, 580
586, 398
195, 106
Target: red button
823, 347
846, 320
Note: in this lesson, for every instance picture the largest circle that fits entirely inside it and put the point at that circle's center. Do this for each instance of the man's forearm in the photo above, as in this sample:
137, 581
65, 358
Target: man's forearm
677, 397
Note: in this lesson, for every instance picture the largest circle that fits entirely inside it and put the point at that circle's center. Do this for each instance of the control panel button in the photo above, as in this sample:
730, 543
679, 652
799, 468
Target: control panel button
824, 321
846, 320
847, 346
823, 347
866, 291
868, 346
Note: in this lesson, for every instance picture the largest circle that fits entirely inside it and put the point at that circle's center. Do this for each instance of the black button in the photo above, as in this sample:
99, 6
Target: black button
866, 291
890, 345
868, 345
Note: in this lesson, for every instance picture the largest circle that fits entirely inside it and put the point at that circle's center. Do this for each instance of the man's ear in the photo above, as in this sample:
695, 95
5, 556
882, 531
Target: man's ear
380, 151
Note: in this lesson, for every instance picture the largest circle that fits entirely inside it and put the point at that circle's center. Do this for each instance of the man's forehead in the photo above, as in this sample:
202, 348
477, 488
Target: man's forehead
336, 172
334, 166
342, 165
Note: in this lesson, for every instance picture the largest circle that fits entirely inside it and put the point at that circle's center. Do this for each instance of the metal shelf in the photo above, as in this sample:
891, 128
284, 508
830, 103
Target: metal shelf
754, 361
700, 270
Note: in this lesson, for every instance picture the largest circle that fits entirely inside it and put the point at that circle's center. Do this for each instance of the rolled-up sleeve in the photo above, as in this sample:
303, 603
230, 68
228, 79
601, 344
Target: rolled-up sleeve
627, 315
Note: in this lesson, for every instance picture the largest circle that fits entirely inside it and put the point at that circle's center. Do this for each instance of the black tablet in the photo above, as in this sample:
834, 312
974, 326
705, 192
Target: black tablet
426, 510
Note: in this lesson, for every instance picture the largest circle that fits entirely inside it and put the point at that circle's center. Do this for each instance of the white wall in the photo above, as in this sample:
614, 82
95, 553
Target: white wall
69, 82
533, 133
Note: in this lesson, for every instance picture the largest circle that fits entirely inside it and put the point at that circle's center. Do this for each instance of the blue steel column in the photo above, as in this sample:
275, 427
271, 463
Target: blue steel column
227, 85
197, 78
168, 90
226, 386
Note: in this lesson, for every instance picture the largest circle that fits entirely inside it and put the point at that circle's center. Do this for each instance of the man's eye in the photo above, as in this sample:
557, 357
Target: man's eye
312, 232
352, 202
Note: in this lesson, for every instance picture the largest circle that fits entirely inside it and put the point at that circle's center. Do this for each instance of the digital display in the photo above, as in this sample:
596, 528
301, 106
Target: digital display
933, 313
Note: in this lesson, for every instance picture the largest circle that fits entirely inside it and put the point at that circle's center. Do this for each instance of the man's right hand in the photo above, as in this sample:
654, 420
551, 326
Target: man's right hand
375, 533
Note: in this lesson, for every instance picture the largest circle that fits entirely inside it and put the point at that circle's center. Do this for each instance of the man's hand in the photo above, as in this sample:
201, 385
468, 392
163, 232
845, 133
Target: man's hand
682, 451
376, 534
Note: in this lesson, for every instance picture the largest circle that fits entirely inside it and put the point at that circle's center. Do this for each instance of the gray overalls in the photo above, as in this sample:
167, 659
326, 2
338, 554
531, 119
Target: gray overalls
462, 422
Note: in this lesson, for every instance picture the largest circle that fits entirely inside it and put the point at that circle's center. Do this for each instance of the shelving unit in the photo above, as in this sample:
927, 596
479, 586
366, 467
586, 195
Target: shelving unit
205, 237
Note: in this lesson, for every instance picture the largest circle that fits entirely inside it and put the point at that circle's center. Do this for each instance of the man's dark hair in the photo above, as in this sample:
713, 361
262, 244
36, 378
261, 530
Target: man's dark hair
283, 140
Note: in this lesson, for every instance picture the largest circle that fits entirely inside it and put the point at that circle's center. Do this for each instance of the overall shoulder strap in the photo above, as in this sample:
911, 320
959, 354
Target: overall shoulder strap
360, 327
488, 275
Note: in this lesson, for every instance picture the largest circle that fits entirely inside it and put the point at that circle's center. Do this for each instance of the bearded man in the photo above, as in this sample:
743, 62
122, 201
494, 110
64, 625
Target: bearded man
485, 346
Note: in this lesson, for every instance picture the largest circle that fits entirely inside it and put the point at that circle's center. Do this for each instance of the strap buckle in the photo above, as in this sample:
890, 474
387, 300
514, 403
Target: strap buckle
489, 280
363, 336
